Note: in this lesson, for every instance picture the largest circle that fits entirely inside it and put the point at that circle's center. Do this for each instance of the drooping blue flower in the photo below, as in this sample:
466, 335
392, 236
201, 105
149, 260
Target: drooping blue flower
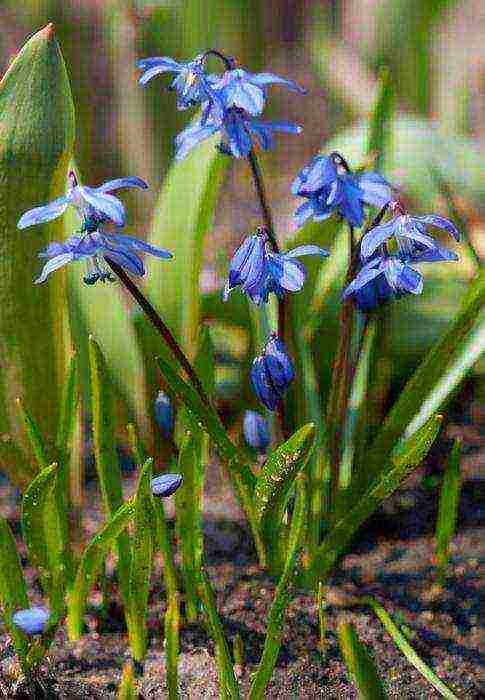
94, 247
386, 277
31, 621
248, 91
330, 187
256, 431
408, 232
166, 484
164, 414
271, 373
95, 204
238, 130
258, 270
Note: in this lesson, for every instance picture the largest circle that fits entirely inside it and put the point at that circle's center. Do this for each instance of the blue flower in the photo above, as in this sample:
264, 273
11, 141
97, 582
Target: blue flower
94, 246
408, 232
92, 203
32, 620
248, 91
388, 277
258, 270
256, 431
271, 373
164, 414
238, 131
330, 188
166, 484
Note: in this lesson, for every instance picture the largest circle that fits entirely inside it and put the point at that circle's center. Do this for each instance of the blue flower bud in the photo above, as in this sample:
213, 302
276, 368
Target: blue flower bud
272, 373
166, 484
256, 431
31, 621
164, 414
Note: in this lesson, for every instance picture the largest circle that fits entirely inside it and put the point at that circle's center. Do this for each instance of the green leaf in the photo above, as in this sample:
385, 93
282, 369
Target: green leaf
228, 686
360, 664
141, 562
381, 120
34, 436
126, 688
448, 509
90, 565
13, 589
401, 642
69, 403
278, 475
359, 507
276, 616
172, 648
183, 215
36, 141
428, 374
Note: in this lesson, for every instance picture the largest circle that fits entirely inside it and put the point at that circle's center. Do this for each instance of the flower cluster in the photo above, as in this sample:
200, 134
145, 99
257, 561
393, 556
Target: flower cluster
231, 103
387, 252
97, 207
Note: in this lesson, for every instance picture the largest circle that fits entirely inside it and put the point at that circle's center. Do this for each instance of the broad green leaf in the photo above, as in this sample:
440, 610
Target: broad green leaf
107, 464
141, 562
228, 687
126, 688
172, 648
278, 475
13, 589
36, 141
90, 566
188, 502
183, 216
448, 509
360, 507
401, 642
428, 374
276, 616
360, 664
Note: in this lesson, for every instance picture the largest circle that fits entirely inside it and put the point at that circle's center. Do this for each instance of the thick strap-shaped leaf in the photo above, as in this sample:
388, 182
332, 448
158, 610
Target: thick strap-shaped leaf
360, 664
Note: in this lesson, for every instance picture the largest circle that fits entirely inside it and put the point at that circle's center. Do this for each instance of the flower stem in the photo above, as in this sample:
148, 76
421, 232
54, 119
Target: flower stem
161, 327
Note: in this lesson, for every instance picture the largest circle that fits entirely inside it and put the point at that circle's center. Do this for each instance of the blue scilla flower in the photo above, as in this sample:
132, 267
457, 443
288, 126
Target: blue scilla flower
407, 231
271, 373
31, 621
248, 91
258, 270
164, 414
93, 203
256, 431
238, 130
387, 277
166, 484
93, 247
330, 187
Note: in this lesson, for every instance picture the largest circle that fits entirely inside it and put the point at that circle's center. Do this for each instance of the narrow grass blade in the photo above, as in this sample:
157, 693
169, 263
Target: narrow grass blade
228, 687
380, 121
360, 664
126, 688
107, 464
90, 566
37, 136
402, 463
403, 645
424, 380
448, 509
172, 649
69, 403
141, 562
189, 516
13, 589
276, 617
34, 436
204, 363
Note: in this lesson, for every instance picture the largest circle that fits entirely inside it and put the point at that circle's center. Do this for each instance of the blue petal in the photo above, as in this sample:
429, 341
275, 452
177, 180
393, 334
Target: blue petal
242, 94
350, 201
107, 204
376, 237
366, 275
164, 414
263, 136
440, 222
262, 385
54, 264
437, 254
277, 349
129, 261
285, 127
289, 274
238, 137
401, 277
164, 62
256, 431
121, 182
31, 621
191, 136
320, 173
263, 79
304, 212
376, 190
309, 249
166, 484
45, 213
127, 242
409, 228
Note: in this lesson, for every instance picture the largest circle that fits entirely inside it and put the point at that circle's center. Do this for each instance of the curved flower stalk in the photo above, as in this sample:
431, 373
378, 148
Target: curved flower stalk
330, 188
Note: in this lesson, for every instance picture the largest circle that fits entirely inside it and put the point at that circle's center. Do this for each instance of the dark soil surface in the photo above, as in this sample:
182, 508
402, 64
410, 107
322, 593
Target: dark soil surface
393, 561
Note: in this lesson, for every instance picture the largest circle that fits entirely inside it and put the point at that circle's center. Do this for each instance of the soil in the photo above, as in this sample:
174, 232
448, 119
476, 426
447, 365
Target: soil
393, 561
